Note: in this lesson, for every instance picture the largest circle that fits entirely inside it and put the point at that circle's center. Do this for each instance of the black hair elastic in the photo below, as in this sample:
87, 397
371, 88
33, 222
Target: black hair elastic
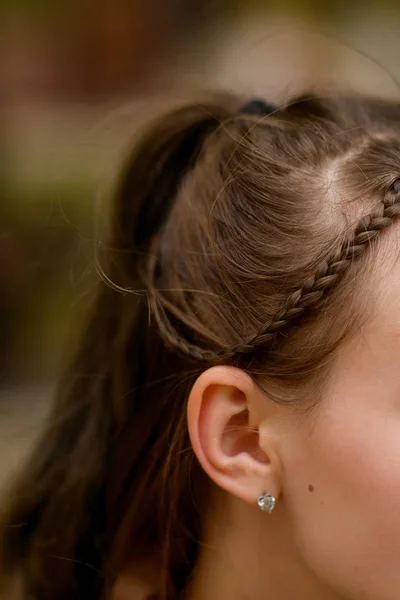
257, 107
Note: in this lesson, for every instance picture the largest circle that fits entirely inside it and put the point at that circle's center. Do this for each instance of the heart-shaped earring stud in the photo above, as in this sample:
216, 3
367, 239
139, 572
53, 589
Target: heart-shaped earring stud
266, 502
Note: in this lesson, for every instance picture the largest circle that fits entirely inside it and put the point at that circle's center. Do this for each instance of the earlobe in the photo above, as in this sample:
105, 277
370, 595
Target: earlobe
224, 418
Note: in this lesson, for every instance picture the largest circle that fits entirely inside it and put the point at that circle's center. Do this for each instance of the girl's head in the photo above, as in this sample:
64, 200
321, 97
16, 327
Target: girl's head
244, 340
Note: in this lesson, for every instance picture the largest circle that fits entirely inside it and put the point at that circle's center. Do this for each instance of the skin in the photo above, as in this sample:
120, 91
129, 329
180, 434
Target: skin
335, 531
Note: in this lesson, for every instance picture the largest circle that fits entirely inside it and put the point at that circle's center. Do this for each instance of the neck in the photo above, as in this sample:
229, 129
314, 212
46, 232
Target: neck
253, 560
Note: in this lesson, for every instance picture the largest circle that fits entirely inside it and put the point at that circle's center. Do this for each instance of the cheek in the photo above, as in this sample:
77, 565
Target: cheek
348, 526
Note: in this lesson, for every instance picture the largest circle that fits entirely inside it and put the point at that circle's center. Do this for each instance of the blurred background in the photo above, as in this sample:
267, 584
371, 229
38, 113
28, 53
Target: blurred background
73, 78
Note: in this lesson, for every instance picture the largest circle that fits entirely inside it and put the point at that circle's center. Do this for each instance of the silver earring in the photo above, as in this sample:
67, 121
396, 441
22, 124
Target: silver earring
266, 502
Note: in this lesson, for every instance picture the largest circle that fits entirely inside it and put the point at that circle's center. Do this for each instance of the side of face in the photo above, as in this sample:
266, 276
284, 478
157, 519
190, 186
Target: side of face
342, 467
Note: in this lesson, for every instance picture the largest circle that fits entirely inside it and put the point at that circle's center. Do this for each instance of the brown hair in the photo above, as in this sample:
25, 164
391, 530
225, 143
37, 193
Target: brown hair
227, 232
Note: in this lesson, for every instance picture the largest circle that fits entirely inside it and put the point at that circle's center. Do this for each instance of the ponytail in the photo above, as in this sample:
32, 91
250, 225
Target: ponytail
91, 499
156, 167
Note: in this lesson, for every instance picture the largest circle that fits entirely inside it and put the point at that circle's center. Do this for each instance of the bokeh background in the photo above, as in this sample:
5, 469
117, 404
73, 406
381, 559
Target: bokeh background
74, 77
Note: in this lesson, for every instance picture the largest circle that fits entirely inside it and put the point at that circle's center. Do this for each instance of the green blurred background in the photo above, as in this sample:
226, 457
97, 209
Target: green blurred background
74, 79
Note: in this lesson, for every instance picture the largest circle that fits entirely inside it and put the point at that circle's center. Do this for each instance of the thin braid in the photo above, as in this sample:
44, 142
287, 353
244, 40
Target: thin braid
326, 276
176, 342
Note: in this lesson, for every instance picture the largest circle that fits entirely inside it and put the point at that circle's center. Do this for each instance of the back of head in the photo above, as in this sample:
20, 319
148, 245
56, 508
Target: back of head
235, 239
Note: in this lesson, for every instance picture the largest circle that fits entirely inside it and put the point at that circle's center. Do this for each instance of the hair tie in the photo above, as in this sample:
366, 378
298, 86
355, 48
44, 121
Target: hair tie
257, 107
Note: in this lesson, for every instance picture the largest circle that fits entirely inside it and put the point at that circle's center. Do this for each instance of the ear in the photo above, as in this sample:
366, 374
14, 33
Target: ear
231, 427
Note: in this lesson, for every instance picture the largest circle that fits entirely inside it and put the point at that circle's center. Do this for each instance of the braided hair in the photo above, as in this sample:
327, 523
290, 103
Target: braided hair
315, 287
